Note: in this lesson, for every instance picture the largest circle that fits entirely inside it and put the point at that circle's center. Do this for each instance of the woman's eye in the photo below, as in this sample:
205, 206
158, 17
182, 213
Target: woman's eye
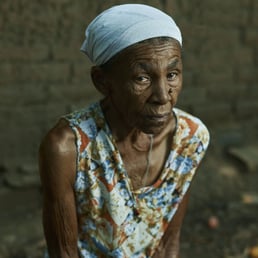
142, 79
172, 76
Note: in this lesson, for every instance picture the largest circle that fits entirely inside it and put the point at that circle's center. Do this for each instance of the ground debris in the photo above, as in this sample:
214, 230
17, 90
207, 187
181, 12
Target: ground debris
253, 252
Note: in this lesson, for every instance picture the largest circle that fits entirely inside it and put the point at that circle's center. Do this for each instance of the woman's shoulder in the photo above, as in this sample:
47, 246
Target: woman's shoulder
192, 125
57, 158
191, 120
59, 140
92, 111
88, 120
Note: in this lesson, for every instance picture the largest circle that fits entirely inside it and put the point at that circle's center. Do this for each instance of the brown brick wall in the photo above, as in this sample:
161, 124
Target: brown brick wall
43, 74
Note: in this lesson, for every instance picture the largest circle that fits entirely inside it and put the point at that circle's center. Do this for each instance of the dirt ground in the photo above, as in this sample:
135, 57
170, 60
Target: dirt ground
228, 192
222, 218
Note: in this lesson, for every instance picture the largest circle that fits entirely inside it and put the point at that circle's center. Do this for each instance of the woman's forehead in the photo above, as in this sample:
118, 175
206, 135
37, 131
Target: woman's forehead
150, 50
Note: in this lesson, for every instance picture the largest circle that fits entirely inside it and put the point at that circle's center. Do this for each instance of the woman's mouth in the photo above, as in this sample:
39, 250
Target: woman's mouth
158, 117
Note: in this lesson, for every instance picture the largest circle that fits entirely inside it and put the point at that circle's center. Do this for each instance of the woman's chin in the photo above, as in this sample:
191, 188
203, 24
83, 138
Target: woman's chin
153, 129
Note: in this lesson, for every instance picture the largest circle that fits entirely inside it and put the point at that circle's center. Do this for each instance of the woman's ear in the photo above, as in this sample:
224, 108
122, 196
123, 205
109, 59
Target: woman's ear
100, 80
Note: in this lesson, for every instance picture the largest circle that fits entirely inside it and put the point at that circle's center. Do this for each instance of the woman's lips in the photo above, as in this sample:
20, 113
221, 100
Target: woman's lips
158, 117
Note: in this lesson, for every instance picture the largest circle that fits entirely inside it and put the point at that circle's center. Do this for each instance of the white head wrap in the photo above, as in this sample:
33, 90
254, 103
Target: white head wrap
124, 25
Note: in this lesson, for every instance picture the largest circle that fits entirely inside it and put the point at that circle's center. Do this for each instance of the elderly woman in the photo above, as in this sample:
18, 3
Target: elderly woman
116, 174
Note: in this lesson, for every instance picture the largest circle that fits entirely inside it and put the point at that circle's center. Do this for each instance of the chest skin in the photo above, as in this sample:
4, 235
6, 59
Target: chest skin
138, 159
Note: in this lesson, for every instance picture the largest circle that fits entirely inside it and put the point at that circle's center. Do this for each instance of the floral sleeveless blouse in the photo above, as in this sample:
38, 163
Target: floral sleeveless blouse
114, 219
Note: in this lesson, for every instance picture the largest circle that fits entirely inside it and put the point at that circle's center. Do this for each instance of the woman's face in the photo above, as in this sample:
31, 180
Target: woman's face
145, 81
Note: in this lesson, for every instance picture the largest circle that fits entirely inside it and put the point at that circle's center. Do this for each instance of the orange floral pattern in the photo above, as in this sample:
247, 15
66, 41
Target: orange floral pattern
115, 220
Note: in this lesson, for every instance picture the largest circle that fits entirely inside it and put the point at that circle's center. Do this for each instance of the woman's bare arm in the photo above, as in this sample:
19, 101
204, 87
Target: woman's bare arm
170, 242
57, 163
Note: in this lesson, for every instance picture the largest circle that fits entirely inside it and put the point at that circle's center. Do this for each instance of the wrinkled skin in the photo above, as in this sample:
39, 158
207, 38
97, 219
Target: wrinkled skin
141, 86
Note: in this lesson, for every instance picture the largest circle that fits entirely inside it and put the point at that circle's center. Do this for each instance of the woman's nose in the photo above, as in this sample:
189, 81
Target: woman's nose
160, 92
